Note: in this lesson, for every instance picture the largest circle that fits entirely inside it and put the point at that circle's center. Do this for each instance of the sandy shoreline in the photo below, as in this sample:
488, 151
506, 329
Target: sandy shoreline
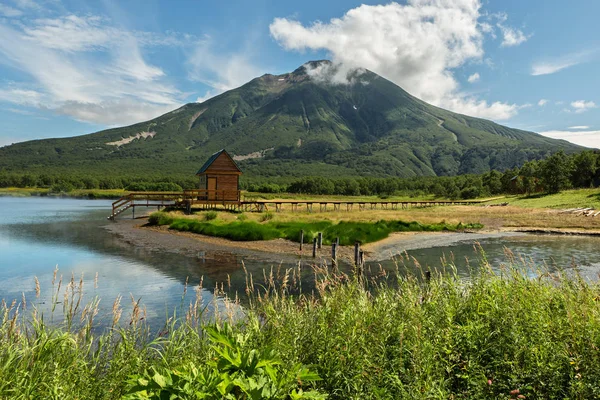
280, 250
194, 245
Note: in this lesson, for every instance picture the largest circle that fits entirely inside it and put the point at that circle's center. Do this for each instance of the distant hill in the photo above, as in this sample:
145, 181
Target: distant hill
293, 125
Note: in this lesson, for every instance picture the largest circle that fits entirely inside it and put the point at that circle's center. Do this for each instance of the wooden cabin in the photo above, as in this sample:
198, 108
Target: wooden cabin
219, 178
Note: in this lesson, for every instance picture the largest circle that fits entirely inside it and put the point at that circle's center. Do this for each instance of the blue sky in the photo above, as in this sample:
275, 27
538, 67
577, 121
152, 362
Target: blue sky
75, 67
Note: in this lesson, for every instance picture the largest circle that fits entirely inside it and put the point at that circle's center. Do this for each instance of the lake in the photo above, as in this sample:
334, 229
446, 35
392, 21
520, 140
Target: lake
39, 234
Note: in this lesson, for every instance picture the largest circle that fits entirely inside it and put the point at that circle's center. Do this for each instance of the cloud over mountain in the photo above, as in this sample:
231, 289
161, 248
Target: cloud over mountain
417, 46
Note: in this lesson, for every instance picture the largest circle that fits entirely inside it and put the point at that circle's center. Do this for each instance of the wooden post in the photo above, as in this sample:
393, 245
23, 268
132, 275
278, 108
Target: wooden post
334, 255
357, 254
320, 240
427, 276
133, 209
301, 238
314, 247
337, 241
361, 257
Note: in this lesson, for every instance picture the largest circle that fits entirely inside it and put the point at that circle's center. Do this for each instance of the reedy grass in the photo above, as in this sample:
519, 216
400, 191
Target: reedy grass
368, 335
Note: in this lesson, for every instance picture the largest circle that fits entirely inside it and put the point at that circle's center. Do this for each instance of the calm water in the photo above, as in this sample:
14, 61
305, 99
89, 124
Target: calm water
550, 252
38, 235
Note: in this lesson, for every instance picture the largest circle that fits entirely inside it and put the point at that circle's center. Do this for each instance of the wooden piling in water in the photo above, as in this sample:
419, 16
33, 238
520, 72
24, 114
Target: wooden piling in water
357, 254
301, 238
314, 247
320, 240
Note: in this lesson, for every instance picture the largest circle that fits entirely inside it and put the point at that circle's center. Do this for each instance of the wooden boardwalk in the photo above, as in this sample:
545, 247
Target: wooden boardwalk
189, 200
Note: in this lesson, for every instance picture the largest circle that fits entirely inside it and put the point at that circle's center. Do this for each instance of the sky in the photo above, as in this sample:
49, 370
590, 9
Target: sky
71, 67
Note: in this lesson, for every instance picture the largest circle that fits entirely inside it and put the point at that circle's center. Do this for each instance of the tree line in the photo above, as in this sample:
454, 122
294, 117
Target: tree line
553, 174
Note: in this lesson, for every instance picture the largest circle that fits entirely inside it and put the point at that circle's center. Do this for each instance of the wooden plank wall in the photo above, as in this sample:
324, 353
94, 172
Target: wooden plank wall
222, 164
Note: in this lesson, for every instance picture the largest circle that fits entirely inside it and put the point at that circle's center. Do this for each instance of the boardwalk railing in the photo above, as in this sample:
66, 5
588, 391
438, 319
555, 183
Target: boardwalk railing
145, 199
348, 205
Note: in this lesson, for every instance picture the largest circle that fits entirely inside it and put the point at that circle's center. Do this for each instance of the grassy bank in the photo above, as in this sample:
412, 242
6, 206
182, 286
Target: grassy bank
495, 336
77, 193
348, 232
564, 199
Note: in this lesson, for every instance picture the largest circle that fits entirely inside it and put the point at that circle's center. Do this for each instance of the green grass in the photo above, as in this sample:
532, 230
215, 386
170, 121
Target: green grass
565, 199
494, 336
347, 232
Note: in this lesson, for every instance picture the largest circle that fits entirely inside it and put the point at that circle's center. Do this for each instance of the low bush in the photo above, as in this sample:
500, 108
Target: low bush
160, 218
210, 215
266, 216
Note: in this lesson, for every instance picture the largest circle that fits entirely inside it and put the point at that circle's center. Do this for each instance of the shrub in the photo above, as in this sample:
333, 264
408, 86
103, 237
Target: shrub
266, 216
210, 215
62, 187
160, 218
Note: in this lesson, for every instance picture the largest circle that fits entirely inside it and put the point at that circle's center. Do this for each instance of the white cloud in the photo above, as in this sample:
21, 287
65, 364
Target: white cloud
119, 87
73, 33
512, 36
582, 138
221, 71
27, 4
20, 111
552, 66
208, 95
546, 68
581, 106
8, 11
417, 46
542, 102
113, 112
474, 78
21, 96
579, 127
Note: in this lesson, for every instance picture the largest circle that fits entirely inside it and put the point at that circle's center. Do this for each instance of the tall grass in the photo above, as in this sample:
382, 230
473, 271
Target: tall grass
347, 232
506, 334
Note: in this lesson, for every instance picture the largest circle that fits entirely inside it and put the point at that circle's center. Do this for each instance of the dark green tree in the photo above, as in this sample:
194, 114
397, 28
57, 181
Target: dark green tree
584, 169
529, 176
555, 172
493, 182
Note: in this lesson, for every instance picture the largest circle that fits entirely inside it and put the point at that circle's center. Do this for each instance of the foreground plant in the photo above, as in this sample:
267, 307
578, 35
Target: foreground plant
234, 373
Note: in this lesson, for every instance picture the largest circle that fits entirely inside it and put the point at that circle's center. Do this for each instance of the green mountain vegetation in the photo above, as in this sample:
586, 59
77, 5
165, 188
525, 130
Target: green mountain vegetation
291, 125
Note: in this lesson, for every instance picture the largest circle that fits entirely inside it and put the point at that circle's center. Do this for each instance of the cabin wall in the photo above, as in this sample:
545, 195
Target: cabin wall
228, 183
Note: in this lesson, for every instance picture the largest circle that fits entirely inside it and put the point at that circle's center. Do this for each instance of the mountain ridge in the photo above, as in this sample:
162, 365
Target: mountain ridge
296, 124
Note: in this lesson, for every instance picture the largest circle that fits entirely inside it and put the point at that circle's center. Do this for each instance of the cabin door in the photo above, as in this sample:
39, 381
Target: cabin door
212, 187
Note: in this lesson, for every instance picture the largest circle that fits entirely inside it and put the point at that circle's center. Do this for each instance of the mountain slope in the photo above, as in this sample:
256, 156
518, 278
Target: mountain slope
291, 125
